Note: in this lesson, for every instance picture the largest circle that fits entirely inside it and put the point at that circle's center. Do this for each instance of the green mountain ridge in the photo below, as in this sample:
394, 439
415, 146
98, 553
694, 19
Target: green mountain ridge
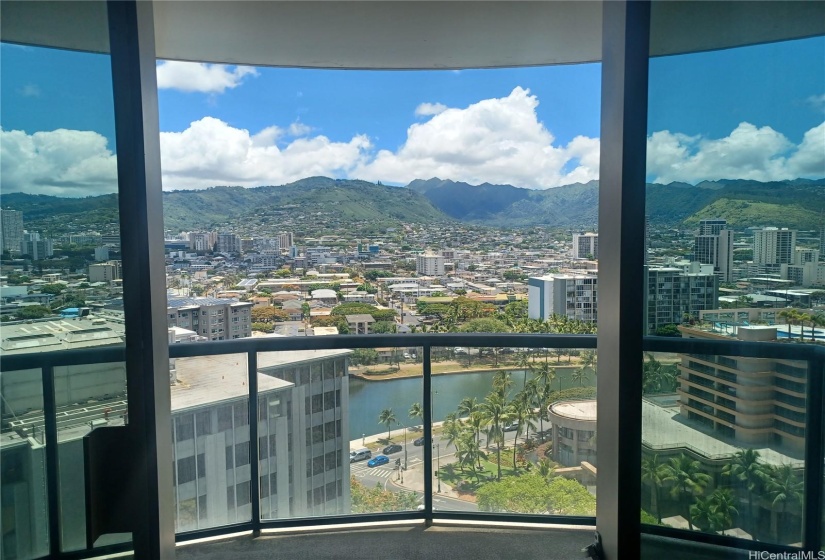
794, 204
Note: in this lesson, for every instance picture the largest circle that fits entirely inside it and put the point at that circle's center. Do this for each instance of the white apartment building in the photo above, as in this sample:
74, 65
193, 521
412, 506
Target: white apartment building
303, 438
36, 248
585, 245
673, 294
286, 239
575, 296
213, 318
774, 246
806, 269
105, 272
429, 265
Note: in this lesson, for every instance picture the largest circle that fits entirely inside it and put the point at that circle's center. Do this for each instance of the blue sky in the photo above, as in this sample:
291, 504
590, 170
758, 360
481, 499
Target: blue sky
754, 112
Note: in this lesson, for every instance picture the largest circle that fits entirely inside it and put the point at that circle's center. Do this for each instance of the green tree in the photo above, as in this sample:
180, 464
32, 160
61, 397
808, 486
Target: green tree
32, 312
263, 327
383, 327
416, 411
387, 417
375, 500
784, 487
364, 356
528, 493
687, 480
496, 412
655, 473
746, 469
579, 376
54, 289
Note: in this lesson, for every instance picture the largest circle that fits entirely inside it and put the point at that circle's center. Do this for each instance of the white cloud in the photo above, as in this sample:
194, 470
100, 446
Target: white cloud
198, 76
299, 129
496, 140
748, 152
817, 101
210, 152
58, 162
429, 109
30, 90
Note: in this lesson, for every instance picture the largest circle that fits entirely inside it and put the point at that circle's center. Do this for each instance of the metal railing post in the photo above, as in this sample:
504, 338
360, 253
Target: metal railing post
52, 459
254, 480
428, 435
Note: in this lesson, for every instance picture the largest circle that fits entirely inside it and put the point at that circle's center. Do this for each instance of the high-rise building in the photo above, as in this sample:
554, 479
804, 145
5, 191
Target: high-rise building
286, 239
202, 241
302, 432
713, 244
11, 230
755, 401
429, 265
105, 272
585, 245
229, 243
774, 246
673, 294
574, 296
37, 249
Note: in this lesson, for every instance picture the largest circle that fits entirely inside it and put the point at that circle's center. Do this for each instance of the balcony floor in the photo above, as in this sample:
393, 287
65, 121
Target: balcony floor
400, 542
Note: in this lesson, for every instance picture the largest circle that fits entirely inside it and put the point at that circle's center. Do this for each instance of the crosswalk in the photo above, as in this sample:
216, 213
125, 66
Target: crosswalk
360, 469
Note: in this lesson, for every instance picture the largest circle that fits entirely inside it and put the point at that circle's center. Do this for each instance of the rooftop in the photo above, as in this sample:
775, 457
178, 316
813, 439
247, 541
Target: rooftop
209, 379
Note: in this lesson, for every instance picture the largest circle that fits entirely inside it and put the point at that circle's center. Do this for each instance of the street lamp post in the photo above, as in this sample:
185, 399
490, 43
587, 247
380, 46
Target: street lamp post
363, 437
405, 447
438, 465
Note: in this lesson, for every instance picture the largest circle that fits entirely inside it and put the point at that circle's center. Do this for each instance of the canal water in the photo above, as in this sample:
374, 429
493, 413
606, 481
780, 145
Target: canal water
368, 398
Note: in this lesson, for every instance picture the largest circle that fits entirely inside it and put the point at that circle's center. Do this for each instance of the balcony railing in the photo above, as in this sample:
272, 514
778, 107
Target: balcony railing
46, 362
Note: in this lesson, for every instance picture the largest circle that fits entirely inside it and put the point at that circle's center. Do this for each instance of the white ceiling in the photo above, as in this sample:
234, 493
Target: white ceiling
402, 34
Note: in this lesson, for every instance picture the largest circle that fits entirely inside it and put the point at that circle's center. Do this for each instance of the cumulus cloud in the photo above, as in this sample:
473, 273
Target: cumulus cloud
201, 77
57, 162
499, 140
748, 152
429, 109
817, 102
211, 152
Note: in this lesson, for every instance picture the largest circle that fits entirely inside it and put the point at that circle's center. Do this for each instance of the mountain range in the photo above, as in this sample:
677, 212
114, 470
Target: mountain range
795, 204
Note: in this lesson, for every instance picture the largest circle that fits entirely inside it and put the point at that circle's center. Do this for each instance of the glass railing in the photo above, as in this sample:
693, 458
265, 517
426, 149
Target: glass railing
470, 426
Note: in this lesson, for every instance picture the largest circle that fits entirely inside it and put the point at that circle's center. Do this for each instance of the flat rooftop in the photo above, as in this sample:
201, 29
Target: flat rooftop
59, 334
664, 428
205, 380
576, 410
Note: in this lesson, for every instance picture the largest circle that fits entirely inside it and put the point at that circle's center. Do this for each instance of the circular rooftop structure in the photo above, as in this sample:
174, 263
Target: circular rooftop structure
584, 411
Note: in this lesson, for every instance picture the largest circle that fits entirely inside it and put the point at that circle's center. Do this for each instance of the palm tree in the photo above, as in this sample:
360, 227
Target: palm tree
579, 376
451, 431
387, 417
784, 487
545, 374
416, 411
523, 362
495, 412
817, 320
655, 474
724, 505
688, 481
471, 453
520, 413
703, 513
746, 468
466, 408
502, 381
546, 469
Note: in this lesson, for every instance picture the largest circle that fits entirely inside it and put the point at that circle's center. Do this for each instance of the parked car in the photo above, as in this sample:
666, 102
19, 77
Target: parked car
511, 427
359, 455
419, 441
380, 460
392, 448
461, 351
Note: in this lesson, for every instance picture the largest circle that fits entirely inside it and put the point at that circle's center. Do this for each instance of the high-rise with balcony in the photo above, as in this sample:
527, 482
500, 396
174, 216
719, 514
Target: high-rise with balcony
213, 318
674, 295
774, 246
574, 296
754, 401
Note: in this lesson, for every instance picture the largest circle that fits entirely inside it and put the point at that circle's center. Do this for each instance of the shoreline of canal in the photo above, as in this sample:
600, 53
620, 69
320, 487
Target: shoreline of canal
415, 372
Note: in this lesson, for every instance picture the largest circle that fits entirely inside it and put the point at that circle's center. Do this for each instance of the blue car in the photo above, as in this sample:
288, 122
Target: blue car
380, 460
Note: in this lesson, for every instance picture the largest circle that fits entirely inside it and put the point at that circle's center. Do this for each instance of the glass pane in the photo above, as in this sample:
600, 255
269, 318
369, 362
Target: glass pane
60, 239
87, 397
723, 445
322, 445
210, 435
25, 521
515, 430
736, 184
